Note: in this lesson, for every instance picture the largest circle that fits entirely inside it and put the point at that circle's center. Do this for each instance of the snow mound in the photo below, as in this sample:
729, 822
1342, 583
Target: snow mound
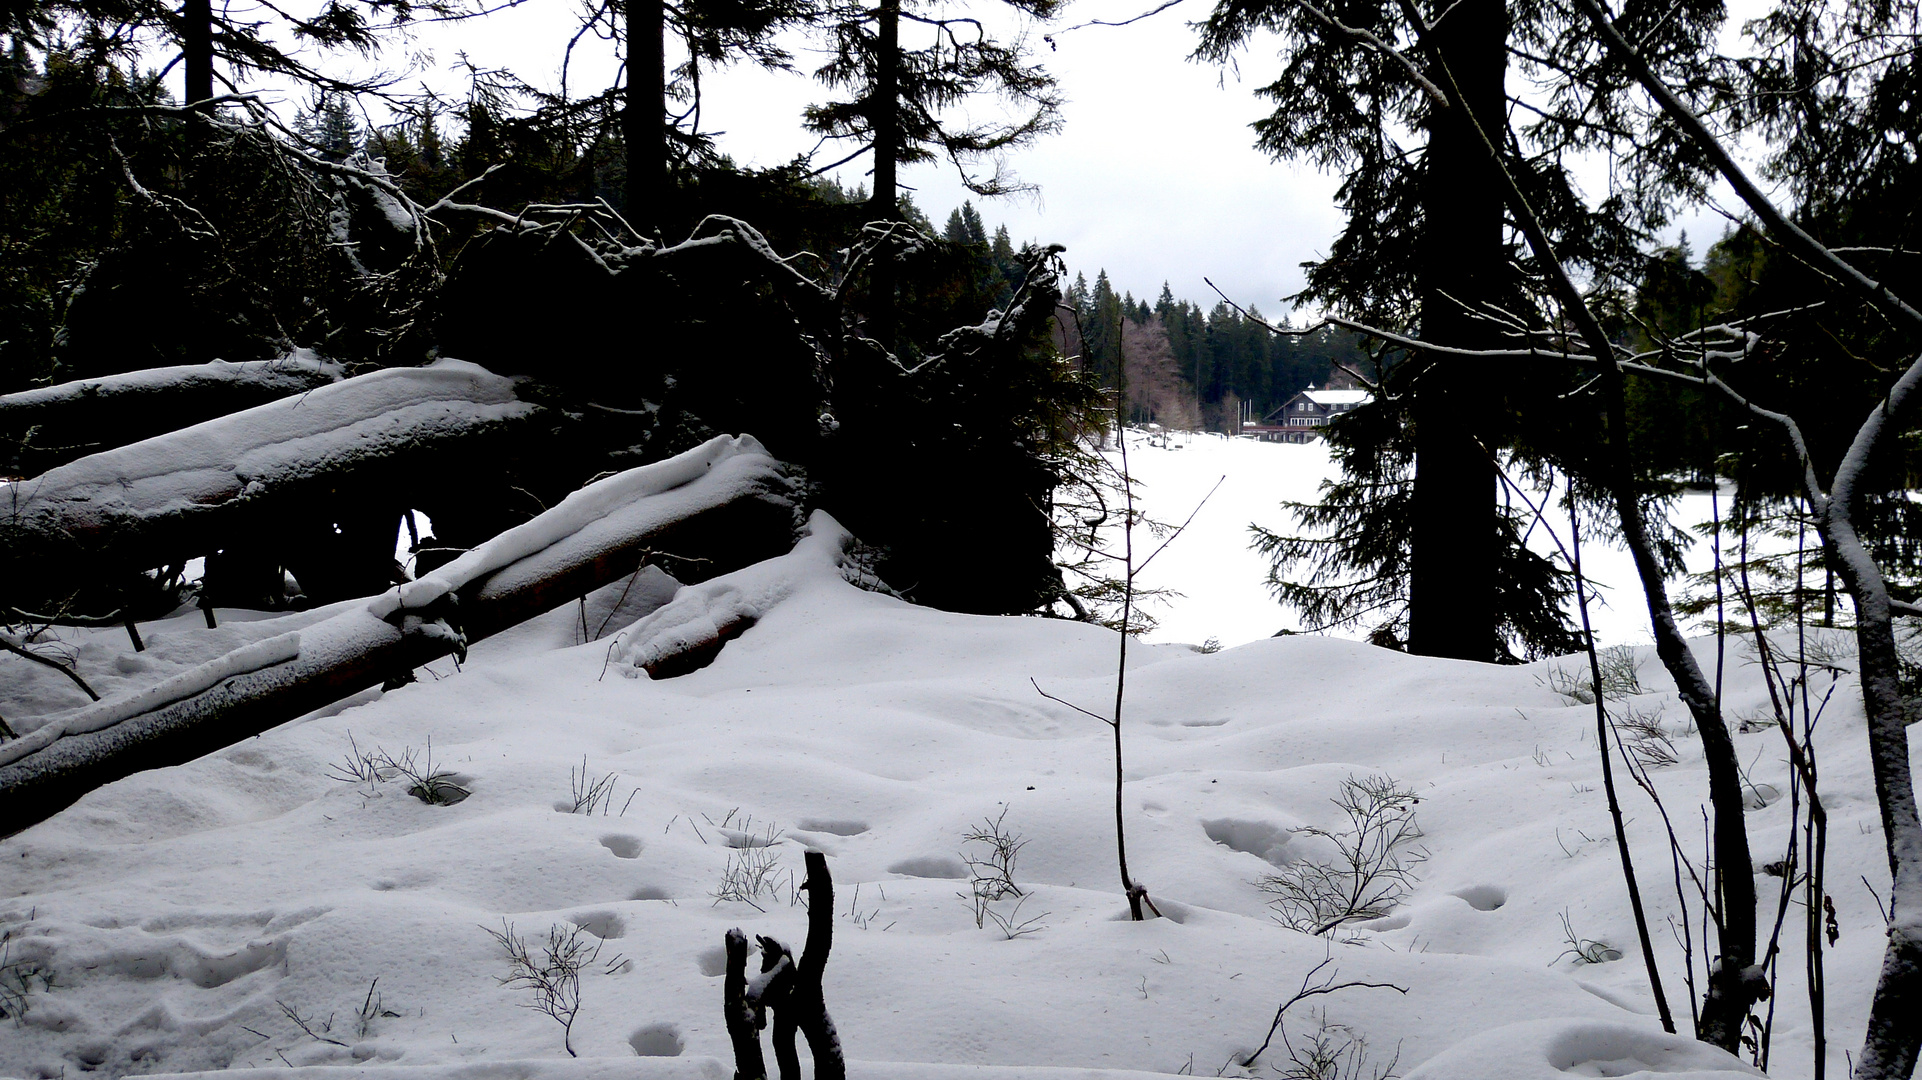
1554, 1049
182, 914
670, 1068
578, 512
706, 615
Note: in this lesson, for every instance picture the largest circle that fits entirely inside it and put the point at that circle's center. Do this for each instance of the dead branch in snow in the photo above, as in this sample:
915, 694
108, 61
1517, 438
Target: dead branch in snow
744, 1021
1311, 988
20, 648
791, 988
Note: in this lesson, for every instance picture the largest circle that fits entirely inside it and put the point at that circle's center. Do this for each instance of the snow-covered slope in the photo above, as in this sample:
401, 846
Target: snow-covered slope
247, 909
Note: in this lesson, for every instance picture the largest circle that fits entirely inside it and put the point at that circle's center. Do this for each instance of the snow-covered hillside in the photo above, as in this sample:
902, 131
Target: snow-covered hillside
253, 910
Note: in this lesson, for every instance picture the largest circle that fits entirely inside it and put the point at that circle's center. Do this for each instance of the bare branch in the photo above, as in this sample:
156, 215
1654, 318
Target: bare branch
1037, 689
1158, 9
14, 645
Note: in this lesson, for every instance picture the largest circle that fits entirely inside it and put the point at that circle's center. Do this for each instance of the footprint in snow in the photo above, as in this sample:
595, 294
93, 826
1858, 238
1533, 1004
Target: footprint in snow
625, 847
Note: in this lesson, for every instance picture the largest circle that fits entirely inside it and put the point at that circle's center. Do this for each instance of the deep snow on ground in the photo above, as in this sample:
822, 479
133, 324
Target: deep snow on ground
1220, 578
185, 917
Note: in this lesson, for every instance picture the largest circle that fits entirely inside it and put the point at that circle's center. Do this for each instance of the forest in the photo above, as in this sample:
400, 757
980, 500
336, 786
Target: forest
554, 340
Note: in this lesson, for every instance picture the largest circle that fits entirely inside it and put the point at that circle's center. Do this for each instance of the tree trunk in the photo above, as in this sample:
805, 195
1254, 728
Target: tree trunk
1734, 982
806, 999
1451, 587
1890, 1045
197, 49
644, 116
884, 204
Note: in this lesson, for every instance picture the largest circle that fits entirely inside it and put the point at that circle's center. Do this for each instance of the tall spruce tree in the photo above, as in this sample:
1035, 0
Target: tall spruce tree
900, 96
900, 99
1424, 248
711, 33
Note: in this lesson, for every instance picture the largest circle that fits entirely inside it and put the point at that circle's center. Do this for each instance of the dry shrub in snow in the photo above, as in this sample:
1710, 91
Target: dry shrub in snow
20, 979
554, 975
991, 878
750, 869
1621, 677
435, 787
1373, 867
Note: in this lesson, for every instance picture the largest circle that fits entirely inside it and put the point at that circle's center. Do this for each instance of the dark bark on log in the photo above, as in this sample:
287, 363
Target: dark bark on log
45, 428
355, 650
743, 1021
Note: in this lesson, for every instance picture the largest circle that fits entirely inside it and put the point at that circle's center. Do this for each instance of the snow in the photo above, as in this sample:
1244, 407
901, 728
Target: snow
1220, 577
703, 612
246, 453
299, 370
727, 464
183, 913
1553, 1049
1336, 397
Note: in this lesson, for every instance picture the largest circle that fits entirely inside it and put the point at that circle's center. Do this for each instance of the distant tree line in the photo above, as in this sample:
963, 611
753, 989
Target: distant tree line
1186, 368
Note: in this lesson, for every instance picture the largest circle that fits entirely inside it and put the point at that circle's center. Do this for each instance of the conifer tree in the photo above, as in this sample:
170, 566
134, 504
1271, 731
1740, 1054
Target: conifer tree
711, 32
1424, 248
899, 97
329, 126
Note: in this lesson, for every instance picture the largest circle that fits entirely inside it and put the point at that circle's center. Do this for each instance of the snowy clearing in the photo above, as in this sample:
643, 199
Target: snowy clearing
1220, 577
254, 909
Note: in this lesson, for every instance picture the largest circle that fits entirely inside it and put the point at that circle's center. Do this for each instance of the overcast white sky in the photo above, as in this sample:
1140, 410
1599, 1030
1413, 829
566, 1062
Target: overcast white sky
1153, 177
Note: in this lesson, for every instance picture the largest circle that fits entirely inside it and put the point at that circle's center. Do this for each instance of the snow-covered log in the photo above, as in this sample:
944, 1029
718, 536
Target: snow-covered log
688, 633
52, 425
726, 502
191, 491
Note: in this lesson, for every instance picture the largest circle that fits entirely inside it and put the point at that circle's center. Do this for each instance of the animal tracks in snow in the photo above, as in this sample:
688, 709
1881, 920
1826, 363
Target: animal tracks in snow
931, 866
605, 925
1483, 897
1262, 839
657, 1040
623, 846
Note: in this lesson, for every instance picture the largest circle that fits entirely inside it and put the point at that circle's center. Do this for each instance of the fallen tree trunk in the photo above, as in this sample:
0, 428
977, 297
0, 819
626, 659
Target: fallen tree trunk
163, 500
726, 501
46, 427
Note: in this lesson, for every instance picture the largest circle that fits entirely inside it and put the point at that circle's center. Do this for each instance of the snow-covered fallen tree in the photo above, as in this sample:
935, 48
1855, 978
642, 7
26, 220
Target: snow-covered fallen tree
52, 425
191, 491
689, 632
726, 502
